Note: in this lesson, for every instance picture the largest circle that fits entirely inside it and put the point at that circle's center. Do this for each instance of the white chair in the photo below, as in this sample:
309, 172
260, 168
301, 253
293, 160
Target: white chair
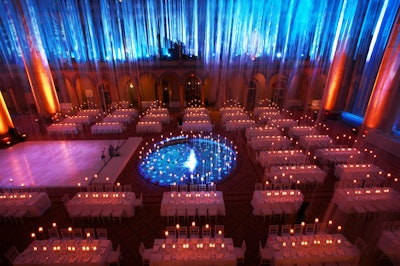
114, 256
273, 229
11, 254
360, 244
127, 188
194, 231
89, 233
285, 230
310, 229
102, 233
258, 186
53, 233
66, 233
265, 255
116, 215
219, 230
206, 231
182, 232
77, 233
138, 202
239, 252
145, 253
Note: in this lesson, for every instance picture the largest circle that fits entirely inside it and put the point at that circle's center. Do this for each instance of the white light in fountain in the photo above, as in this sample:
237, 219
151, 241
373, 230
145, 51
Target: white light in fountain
191, 161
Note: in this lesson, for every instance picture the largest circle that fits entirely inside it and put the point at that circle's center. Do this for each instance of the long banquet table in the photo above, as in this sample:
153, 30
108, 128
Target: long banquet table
84, 252
64, 128
79, 119
284, 123
276, 201
294, 173
252, 132
352, 172
338, 155
364, 200
148, 127
125, 119
280, 157
204, 125
107, 128
318, 248
193, 251
194, 199
232, 125
267, 142
297, 131
86, 202
389, 244
261, 109
32, 204
315, 141
125, 111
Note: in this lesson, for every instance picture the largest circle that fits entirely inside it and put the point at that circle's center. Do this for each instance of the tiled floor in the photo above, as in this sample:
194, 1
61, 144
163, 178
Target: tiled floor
239, 222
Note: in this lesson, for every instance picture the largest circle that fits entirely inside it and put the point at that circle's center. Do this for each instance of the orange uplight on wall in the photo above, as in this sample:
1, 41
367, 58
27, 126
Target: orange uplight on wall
334, 80
385, 85
45, 87
5, 118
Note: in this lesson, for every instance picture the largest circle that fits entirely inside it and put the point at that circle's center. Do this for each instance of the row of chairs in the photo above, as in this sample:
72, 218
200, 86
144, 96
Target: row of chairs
193, 231
108, 187
193, 187
391, 225
77, 233
99, 215
298, 229
18, 190
184, 215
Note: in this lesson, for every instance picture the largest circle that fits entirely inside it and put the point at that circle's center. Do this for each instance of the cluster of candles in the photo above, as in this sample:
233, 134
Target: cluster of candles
102, 195
148, 123
15, 196
271, 137
197, 121
298, 167
283, 193
315, 242
288, 152
317, 137
69, 248
189, 194
368, 191
64, 124
107, 123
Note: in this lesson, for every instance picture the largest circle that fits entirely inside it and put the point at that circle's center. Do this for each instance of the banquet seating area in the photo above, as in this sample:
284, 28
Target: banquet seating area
266, 213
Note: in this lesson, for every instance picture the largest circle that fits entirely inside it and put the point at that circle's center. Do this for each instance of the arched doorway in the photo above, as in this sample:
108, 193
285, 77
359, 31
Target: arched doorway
251, 96
105, 95
193, 91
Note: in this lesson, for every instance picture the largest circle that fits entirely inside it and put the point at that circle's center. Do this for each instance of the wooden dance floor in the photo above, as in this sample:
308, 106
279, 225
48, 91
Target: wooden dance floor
63, 163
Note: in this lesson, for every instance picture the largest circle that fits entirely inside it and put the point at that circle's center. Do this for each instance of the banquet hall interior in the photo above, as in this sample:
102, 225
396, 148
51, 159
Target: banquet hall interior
215, 132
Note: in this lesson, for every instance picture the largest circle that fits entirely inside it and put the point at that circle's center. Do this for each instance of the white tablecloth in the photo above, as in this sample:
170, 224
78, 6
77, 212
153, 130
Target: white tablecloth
90, 112
350, 172
163, 118
338, 155
196, 117
204, 125
389, 244
158, 111
64, 128
197, 110
148, 127
287, 201
260, 109
363, 200
234, 116
220, 253
232, 125
267, 116
252, 132
269, 158
268, 142
125, 119
84, 201
320, 248
189, 200
65, 252
131, 112
292, 174
284, 123
297, 131
79, 119
32, 204
107, 128
315, 141
232, 109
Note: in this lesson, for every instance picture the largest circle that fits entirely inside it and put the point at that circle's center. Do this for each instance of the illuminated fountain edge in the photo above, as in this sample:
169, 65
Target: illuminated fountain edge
188, 159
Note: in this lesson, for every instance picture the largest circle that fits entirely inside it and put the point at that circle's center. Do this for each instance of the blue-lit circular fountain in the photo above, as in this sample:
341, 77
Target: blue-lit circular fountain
187, 159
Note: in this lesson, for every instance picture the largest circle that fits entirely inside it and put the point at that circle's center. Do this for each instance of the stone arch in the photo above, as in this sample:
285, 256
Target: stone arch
148, 87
